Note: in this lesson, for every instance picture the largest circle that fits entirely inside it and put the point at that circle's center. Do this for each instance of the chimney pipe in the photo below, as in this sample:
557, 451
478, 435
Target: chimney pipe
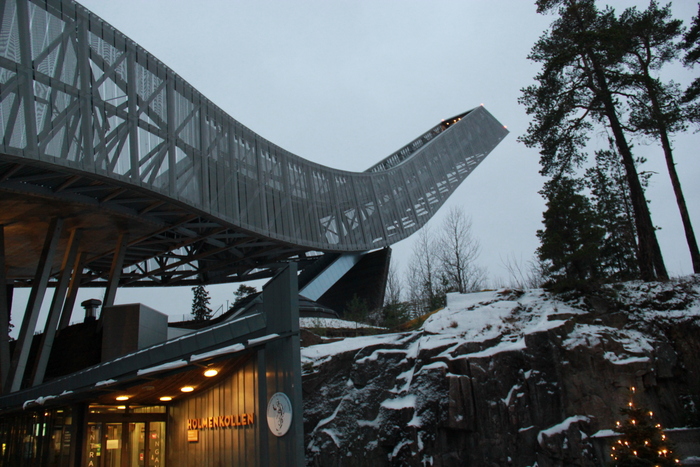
91, 307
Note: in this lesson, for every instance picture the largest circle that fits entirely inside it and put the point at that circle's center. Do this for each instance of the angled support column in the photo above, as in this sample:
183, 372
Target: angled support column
54, 312
36, 297
73, 288
115, 272
4, 315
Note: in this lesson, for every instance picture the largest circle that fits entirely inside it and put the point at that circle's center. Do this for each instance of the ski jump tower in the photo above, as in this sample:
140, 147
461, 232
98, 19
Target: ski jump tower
115, 172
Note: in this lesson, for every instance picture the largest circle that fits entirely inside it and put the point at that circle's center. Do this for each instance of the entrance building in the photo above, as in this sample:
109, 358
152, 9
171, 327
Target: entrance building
227, 394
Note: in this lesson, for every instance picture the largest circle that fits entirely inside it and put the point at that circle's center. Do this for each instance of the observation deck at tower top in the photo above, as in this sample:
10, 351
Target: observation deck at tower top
98, 132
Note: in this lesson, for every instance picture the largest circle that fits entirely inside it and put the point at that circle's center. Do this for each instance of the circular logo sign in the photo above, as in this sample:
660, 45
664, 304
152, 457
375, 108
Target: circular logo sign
279, 414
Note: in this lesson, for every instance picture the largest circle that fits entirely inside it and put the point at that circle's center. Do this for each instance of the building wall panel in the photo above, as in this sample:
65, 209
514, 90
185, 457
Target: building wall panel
229, 446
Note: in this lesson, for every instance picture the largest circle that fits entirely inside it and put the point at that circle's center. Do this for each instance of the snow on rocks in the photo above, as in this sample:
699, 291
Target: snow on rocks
500, 375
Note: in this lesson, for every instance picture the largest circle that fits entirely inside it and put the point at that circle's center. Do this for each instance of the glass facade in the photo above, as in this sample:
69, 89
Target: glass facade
37, 438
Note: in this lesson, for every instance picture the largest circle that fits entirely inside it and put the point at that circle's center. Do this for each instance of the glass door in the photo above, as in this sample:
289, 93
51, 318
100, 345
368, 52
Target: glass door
156, 444
137, 444
126, 444
112, 445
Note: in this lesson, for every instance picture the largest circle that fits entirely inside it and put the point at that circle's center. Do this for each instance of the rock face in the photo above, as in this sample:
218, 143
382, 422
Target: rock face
506, 378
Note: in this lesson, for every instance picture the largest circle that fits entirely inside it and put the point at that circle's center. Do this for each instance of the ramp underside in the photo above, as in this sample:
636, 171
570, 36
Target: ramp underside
167, 244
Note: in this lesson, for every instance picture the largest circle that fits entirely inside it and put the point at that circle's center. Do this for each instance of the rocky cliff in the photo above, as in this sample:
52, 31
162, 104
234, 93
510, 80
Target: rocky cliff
506, 378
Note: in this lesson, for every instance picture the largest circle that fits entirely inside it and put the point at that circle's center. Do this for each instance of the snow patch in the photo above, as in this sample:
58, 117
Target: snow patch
406, 402
106, 382
260, 340
398, 447
560, 427
215, 353
163, 367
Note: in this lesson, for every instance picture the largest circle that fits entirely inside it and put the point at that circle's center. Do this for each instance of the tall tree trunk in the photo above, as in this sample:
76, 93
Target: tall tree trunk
682, 207
651, 263
675, 181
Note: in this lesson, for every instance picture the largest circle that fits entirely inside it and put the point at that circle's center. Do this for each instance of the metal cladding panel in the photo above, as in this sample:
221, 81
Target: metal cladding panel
228, 445
77, 93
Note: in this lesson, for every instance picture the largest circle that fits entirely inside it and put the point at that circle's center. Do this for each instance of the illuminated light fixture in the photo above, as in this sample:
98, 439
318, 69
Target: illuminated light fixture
211, 372
166, 398
504, 126
187, 389
122, 398
121, 407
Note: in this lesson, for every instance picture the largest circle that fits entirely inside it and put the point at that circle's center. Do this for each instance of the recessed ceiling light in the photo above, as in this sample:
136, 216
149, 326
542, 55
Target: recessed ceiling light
166, 398
187, 389
211, 372
122, 398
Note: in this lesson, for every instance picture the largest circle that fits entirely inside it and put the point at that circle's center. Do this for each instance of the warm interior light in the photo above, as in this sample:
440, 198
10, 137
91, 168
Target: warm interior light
121, 407
187, 389
122, 398
211, 372
166, 398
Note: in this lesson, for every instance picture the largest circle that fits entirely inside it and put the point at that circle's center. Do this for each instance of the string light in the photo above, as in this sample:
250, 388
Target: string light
634, 444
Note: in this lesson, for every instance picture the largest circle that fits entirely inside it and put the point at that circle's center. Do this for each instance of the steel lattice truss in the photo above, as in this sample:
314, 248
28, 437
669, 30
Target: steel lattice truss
89, 118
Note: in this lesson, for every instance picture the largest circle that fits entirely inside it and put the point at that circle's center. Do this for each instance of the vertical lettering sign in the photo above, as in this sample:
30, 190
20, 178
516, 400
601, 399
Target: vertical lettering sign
94, 445
155, 449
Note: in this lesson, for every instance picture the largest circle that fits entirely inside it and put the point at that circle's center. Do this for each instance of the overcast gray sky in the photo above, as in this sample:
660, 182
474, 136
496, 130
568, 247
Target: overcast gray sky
345, 83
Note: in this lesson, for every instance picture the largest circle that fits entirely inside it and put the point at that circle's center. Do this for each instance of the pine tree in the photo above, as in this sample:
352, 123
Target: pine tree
243, 292
581, 58
611, 202
656, 107
571, 238
200, 304
357, 310
691, 46
643, 442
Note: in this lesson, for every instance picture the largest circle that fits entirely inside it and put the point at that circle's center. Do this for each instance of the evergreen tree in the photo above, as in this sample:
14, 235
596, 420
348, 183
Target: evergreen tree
611, 202
200, 304
643, 442
243, 292
691, 46
395, 313
581, 58
357, 310
571, 236
656, 107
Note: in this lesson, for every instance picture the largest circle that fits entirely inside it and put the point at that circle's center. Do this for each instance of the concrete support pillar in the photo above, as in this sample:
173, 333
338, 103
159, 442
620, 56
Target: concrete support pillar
31, 315
59, 295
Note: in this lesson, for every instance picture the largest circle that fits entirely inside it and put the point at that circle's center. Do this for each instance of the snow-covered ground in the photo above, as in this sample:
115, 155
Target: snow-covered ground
384, 375
512, 314
332, 323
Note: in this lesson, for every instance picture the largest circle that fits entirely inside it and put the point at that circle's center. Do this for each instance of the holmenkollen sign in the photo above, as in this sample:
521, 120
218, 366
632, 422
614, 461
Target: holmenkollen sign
221, 421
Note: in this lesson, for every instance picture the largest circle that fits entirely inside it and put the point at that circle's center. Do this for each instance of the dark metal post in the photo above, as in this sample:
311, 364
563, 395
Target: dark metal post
4, 315
283, 364
56, 304
36, 297
115, 272
72, 291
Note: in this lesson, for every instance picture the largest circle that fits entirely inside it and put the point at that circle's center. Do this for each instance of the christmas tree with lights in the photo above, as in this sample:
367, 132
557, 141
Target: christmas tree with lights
643, 442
